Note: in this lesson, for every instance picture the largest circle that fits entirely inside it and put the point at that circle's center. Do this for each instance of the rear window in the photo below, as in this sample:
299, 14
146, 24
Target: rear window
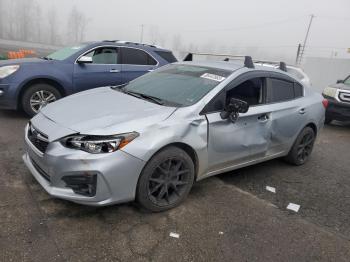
279, 90
298, 90
167, 56
132, 56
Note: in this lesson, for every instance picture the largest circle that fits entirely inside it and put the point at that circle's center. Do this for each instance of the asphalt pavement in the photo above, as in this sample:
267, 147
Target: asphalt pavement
230, 217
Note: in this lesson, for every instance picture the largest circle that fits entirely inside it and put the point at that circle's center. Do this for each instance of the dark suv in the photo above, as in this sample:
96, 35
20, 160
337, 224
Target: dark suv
338, 96
33, 82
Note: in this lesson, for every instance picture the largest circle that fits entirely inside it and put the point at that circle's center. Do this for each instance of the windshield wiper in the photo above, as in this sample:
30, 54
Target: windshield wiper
46, 58
119, 87
144, 96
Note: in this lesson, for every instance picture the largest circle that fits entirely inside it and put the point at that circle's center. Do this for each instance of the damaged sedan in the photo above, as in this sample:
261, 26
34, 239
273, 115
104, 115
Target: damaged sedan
151, 139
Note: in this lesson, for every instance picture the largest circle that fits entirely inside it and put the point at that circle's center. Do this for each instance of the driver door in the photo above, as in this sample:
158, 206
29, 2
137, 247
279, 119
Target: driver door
103, 71
232, 144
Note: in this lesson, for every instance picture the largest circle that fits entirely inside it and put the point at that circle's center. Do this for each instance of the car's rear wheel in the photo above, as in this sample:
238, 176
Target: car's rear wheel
166, 180
302, 148
37, 96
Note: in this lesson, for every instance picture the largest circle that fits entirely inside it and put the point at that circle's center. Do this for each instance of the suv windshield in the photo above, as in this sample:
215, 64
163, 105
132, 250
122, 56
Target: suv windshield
182, 85
65, 52
347, 81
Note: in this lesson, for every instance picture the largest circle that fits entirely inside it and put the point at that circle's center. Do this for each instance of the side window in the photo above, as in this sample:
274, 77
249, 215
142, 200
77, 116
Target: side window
104, 55
167, 56
298, 90
132, 56
250, 91
279, 90
217, 104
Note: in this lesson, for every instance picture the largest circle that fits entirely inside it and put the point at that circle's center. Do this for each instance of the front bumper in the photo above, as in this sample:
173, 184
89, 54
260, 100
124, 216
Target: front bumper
117, 173
337, 110
8, 96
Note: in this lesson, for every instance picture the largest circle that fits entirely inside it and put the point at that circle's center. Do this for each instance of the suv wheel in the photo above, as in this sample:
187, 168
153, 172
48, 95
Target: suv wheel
302, 147
37, 96
166, 180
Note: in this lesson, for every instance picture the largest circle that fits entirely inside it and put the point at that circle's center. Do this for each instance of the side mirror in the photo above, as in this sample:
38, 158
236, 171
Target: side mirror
340, 81
234, 107
85, 60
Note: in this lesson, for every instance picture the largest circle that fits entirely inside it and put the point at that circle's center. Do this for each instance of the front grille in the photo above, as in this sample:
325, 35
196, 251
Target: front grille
344, 96
38, 139
40, 170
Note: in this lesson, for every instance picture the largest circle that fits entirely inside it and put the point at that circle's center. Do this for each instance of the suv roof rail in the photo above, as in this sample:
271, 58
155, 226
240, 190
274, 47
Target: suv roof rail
281, 65
128, 42
248, 61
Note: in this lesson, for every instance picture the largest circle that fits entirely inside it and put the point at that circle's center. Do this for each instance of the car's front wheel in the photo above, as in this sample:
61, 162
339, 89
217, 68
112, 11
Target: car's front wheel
166, 180
37, 96
302, 148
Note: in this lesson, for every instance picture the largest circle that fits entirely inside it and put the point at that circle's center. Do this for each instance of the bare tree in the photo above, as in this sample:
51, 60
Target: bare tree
52, 17
77, 23
177, 42
153, 34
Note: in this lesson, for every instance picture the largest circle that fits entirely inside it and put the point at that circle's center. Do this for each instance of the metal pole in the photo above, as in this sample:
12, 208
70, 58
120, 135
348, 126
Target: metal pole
306, 38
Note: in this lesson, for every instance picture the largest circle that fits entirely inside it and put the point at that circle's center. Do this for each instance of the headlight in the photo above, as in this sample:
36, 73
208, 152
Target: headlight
8, 70
99, 144
330, 91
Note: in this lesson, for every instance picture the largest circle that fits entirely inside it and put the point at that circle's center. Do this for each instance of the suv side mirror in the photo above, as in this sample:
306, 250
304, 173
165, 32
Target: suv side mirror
234, 107
340, 81
85, 60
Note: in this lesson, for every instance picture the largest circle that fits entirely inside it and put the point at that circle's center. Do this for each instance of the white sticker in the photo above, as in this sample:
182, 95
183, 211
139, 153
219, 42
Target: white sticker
271, 189
293, 207
213, 77
175, 235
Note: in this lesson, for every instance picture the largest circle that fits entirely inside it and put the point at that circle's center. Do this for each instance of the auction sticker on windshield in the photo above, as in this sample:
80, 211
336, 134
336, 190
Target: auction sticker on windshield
213, 77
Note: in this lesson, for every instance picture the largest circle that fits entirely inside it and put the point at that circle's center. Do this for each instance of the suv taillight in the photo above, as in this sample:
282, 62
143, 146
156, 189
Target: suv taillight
325, 103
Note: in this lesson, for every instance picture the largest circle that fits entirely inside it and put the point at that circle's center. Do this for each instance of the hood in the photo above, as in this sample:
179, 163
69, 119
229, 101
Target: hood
341, 86
21, 61
104, 111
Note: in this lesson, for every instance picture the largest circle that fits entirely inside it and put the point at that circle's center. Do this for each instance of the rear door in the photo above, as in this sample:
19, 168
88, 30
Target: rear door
103, 71
285, 98
135, 62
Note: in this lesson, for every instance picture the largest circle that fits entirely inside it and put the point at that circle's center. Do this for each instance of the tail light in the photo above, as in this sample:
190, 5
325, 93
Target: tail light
325, 103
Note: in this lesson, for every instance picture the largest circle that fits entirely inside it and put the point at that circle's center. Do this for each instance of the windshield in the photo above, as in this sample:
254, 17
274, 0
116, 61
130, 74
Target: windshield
182, 85
65, 52
347, 81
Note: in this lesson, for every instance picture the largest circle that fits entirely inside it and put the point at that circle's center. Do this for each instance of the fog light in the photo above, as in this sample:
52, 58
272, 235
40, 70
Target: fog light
1, 92
82, 184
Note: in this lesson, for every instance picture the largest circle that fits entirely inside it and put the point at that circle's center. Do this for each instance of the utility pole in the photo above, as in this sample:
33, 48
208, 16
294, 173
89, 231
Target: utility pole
301, 52
141, 38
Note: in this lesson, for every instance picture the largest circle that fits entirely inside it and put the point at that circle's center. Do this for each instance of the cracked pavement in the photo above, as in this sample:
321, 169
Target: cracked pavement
255, 223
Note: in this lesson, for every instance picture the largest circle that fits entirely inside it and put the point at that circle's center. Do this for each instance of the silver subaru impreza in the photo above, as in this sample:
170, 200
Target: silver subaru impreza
152, 138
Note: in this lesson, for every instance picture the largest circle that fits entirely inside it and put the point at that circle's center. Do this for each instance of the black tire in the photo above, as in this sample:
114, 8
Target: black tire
328, 120
302, 148
160, 190
33, 94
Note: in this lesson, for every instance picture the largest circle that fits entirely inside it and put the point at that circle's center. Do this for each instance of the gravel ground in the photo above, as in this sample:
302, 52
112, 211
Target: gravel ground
230, 217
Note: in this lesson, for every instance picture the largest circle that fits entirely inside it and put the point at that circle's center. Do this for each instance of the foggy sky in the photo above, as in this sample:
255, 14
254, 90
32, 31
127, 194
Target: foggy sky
263, 27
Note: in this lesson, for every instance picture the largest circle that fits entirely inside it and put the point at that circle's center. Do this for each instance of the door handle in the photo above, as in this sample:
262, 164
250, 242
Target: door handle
114, 71
302, 111
263, 118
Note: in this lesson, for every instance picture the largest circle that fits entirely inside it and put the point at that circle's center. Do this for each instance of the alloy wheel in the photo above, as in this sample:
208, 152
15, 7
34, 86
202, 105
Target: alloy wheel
40, 99
305, 147
168, 182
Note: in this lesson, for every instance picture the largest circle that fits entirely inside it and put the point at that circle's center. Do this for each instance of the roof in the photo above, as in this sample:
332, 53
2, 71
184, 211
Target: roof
128, 43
